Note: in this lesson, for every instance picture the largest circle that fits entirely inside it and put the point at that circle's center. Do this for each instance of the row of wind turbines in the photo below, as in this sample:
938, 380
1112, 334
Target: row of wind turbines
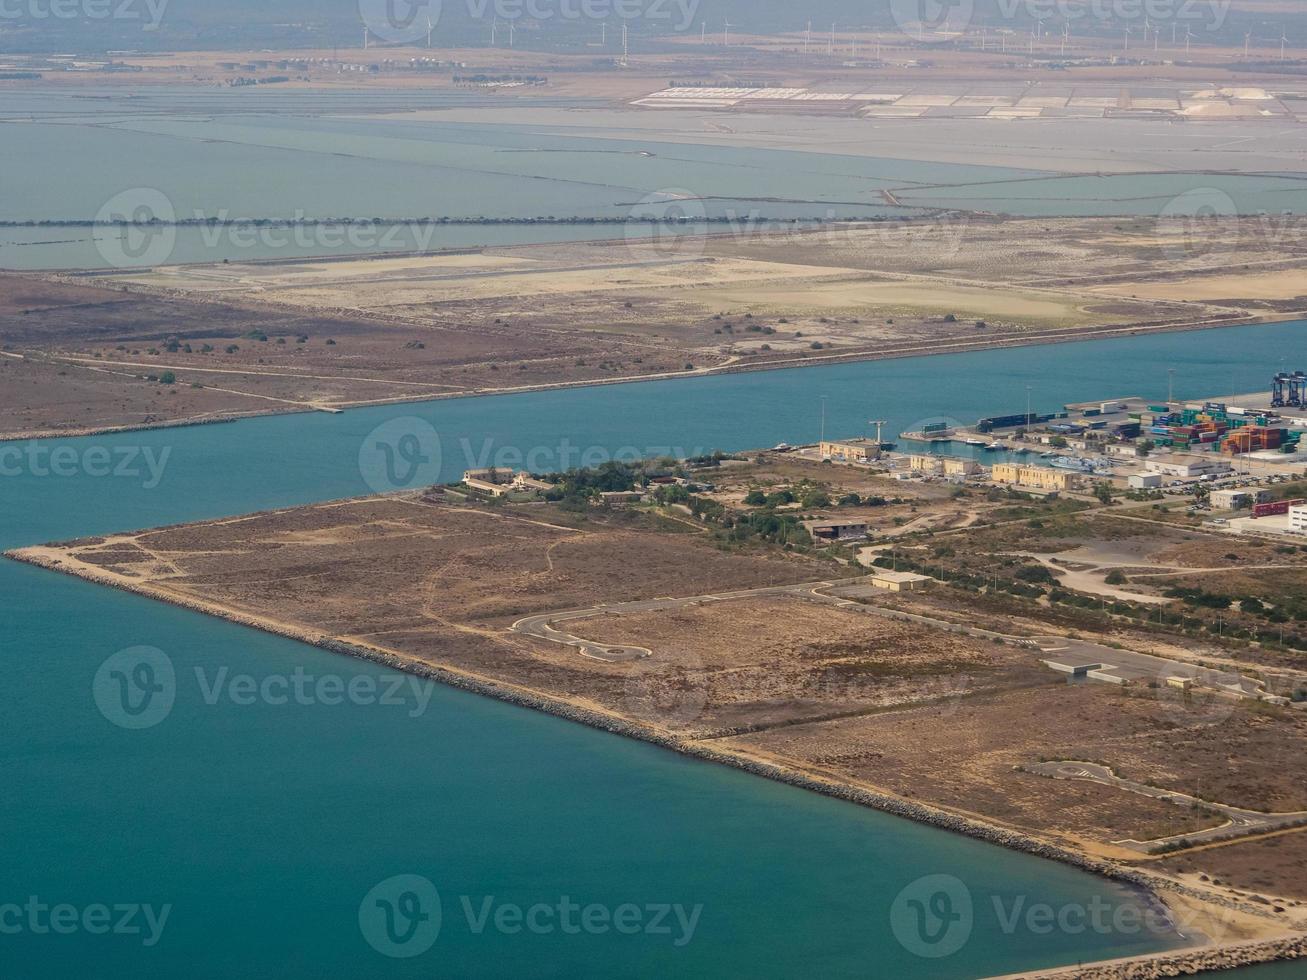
1037, 32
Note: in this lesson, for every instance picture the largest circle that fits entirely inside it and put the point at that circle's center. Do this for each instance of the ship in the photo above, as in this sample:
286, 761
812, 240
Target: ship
1080, 465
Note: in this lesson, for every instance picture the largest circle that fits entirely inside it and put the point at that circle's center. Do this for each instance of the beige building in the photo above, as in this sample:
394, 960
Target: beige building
851, 450
883, 578
961, 467
497, 483
1238, 499
1036, 477
924, 463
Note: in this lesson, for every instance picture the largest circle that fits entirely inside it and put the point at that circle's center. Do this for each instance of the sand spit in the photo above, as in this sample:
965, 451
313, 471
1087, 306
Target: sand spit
1154, 888
1034, 339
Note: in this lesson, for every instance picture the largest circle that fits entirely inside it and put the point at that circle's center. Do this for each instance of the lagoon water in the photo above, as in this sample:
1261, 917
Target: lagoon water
261, 154
265, 826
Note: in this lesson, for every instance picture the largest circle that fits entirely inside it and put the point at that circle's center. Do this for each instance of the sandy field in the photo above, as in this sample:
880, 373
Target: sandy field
1288, 284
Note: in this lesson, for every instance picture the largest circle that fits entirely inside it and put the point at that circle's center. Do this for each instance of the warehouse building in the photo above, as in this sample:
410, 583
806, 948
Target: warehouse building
1189, 467
883, 578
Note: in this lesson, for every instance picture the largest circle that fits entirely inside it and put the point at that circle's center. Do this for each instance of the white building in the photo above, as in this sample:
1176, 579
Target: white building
1188, 467
1298, 520
1144, 481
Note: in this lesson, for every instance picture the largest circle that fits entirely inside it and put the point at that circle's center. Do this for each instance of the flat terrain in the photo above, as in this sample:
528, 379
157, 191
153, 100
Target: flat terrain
814, 673
89, 351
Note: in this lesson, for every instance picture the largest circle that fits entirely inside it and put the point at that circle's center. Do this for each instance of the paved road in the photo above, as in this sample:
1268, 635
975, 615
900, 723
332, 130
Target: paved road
1239, 822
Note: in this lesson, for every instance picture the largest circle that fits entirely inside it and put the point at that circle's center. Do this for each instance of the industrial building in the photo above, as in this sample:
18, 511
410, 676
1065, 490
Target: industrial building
851, 450
1238, 499
1033, 477
1144, 481
1189, 467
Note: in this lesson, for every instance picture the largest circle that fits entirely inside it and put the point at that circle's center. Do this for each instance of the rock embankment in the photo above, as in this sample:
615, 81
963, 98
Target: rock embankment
1186, 964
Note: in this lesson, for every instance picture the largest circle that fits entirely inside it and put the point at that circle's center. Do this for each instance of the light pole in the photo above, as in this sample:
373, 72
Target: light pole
1170, 386
823, 420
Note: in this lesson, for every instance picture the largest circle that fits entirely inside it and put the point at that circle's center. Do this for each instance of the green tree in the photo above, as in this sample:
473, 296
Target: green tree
815, 497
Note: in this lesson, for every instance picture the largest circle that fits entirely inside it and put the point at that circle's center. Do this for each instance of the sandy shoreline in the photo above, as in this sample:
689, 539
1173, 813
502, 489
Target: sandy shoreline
1270, 940
1061, 335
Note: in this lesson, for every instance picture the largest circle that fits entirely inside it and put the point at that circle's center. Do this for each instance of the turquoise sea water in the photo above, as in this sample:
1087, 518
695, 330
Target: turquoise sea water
265, 826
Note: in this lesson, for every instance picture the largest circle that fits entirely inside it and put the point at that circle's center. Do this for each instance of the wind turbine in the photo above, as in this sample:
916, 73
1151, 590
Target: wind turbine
726, 33
1066, 33
807, 37
625, 48
1246, 39
1188, 38
430, 27
830, 45
1283, 41
494, 28
1127, 38
365, 37
512, 32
